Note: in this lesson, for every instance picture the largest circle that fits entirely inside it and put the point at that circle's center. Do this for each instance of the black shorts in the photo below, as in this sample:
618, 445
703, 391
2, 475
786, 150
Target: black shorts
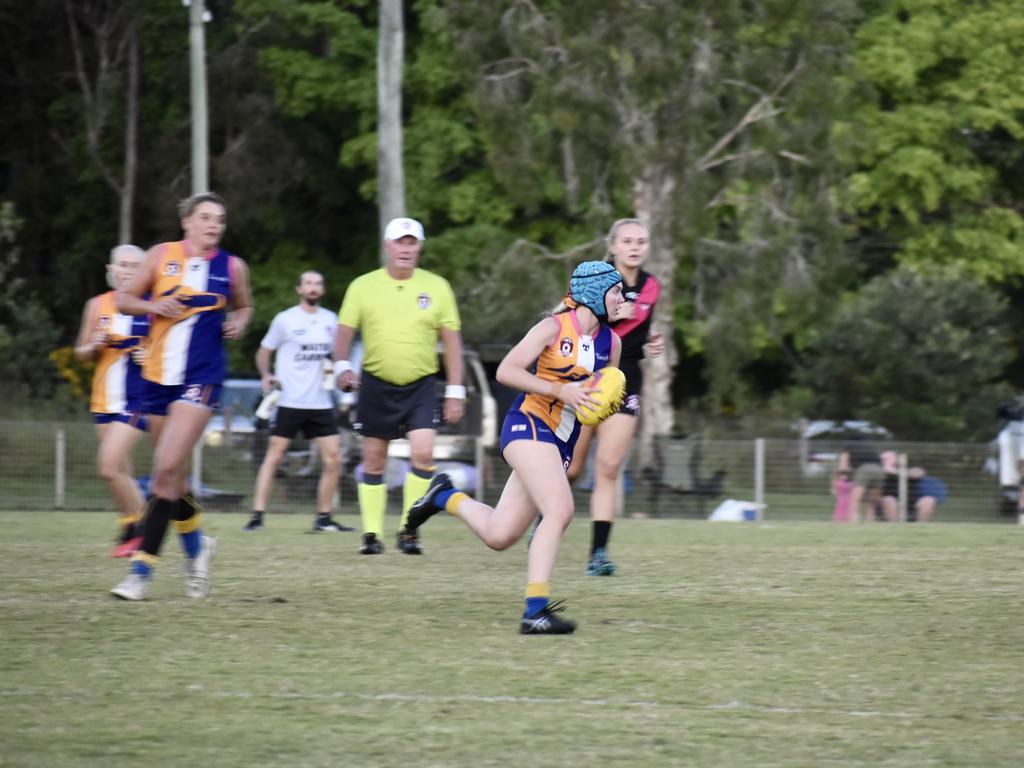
388, 411
312, 422
634, 384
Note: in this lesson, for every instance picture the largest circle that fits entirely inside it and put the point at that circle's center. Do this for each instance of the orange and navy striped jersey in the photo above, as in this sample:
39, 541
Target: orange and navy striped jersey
571, 357
117, 385
189, 349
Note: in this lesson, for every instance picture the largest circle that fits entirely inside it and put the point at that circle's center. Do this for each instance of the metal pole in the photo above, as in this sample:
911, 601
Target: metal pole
197, 15
60, 480
759, 477
478, 450
903, 487
197, 469
802, 446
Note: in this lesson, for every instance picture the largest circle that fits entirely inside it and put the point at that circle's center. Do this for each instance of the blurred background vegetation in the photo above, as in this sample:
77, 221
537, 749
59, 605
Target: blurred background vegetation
839, 183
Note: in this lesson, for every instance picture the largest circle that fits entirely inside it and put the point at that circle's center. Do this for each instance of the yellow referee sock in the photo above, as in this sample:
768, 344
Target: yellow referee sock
417, 481
373, 502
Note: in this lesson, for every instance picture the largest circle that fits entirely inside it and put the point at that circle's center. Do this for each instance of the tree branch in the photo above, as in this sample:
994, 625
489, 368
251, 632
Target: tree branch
526, 246
761, 110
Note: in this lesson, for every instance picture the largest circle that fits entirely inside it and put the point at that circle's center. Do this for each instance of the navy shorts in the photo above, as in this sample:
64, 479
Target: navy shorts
526, 426
135, 419
159, 397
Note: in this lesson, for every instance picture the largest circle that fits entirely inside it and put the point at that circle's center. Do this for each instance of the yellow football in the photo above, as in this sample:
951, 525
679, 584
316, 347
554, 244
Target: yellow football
608, 387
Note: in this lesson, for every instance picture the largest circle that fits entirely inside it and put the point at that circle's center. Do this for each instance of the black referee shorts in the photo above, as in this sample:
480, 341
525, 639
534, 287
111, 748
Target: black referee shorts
312, 422
389, 411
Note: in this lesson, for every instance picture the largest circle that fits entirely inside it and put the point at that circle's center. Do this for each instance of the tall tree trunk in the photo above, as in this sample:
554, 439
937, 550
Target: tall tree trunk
390, 54
131, 132
652, 199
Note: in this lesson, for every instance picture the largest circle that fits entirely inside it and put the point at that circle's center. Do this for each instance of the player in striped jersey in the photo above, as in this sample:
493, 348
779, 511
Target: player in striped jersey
198, 295
539, 434
116, 342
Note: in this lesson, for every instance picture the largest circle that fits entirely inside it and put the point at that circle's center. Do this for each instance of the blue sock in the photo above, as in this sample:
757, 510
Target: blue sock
191, 543
442, 497
534, 604
140, 568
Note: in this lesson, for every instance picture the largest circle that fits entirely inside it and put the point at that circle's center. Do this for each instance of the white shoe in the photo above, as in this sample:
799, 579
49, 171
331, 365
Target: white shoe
132, 587
197, 582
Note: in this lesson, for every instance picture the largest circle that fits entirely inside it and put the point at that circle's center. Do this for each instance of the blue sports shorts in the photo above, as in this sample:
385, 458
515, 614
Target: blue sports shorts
526, 426
159, 396
135, 419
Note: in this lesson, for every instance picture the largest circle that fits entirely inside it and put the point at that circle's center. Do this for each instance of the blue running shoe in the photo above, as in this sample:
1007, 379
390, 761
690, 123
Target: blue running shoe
599, 564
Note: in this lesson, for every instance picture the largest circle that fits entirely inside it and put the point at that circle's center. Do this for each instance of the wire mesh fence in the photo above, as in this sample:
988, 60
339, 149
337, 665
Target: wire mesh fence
52, 465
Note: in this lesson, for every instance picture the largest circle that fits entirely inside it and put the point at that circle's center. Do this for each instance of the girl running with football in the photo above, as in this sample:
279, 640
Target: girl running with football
539, 434
628, 244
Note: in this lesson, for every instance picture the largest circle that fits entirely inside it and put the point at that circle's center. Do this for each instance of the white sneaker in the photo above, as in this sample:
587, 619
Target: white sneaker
197, 582
132, 587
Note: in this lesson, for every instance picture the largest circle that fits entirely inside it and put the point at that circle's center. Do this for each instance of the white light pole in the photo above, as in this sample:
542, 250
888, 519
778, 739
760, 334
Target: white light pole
197, 16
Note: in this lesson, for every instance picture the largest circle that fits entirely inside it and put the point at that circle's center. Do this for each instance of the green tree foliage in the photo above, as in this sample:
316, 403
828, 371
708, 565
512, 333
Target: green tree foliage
321, 58
724, 107
25, 324
937, 148
921, 352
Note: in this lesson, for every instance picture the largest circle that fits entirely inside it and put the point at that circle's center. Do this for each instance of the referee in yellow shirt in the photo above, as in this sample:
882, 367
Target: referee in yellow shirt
401, 312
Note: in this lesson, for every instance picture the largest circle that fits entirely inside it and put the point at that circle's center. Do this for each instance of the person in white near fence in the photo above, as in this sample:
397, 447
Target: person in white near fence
301, 339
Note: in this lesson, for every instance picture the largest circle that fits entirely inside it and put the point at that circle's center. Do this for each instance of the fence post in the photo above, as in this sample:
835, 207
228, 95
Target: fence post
759, 477
197, 470
802, 446
903, 487
478, 456
60, 479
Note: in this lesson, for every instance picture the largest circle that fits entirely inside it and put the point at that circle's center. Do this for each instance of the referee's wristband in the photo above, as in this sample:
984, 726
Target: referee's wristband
454, 392
340, 366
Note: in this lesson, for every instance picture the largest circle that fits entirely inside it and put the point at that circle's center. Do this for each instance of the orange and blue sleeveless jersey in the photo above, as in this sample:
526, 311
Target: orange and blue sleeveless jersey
189, 349
117, 385
571, 357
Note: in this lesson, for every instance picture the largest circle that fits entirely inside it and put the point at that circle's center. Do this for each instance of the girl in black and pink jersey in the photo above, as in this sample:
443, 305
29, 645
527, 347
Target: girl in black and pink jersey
628, 243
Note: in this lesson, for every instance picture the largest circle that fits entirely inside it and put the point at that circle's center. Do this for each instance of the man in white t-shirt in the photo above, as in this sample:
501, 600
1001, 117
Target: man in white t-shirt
302, 338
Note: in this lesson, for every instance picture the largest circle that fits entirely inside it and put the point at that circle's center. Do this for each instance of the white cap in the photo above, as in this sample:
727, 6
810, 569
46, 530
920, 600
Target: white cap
398, 228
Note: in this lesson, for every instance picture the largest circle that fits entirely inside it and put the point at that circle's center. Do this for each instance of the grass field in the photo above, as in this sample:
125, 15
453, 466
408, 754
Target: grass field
786, 644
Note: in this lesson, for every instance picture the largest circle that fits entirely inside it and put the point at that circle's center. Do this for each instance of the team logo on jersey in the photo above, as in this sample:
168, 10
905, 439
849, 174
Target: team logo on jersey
630, 295
644, 307
104, 321
423, 301
172, 268
565, 346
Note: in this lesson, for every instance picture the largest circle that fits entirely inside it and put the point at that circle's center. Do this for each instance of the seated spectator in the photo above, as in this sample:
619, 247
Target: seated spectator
924, 493
931, 492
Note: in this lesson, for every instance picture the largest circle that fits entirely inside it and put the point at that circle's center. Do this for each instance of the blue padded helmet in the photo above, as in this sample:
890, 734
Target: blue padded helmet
590, 282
